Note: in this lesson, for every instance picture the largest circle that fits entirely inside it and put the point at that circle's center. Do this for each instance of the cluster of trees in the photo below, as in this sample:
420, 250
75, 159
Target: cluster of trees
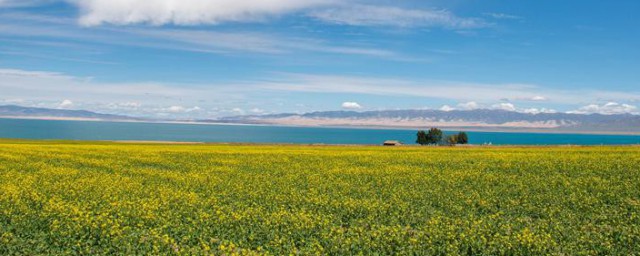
435, 136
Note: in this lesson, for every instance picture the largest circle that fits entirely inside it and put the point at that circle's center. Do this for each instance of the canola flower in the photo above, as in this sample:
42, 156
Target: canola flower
105, 198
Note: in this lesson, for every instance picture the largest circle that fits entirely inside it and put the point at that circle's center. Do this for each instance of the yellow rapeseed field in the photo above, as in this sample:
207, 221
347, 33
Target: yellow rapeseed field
106, 198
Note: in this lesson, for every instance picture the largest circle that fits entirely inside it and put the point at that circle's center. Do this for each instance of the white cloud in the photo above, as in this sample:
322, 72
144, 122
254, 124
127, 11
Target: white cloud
238, 111
176, 109
181, 109
536, 111
211, 12
120, 107
12, 101
194, 109
257, 111
504, 106
351, 105
502, 16
186, 12
65, 104
368, 15
610, 108
471, 105
447, 108
529, 98
131, 104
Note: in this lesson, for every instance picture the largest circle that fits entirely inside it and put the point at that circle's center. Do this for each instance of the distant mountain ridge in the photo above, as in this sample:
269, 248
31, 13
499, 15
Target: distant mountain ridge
484, 119
13, 111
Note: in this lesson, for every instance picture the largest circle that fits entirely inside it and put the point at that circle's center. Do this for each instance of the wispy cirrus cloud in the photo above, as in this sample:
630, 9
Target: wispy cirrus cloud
502, 16
372, 15
43, 85
45, 28
204, 40
451, 90
58, 90
55, 58
19, 73
22, 3
399, 87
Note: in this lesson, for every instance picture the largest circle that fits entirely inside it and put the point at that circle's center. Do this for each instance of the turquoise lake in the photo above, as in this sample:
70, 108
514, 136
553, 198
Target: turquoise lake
82, 130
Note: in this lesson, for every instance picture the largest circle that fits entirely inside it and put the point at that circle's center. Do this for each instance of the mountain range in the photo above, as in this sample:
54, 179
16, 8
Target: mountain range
13, 111
479, 119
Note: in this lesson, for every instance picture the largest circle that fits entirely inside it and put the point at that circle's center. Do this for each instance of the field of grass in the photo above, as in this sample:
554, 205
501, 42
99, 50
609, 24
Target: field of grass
103, 198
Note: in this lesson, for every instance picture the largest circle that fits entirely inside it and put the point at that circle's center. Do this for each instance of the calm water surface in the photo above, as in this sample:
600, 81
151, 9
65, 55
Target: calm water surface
81, 130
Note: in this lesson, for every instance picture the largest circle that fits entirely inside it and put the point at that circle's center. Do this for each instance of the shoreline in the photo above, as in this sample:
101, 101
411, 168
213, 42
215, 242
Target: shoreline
200, 143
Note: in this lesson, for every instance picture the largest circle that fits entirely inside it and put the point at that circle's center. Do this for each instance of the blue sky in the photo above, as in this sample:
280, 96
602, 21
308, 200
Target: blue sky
212, 58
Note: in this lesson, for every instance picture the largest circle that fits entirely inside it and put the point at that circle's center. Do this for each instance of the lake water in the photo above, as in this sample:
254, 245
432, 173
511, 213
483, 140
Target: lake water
81, 130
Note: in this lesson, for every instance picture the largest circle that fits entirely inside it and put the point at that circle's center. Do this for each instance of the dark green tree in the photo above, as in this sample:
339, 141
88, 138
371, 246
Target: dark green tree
422, 138
452, 140
462, 138
434, 136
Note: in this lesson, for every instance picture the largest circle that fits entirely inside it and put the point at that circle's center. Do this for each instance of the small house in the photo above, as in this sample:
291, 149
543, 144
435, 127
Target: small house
392, 143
